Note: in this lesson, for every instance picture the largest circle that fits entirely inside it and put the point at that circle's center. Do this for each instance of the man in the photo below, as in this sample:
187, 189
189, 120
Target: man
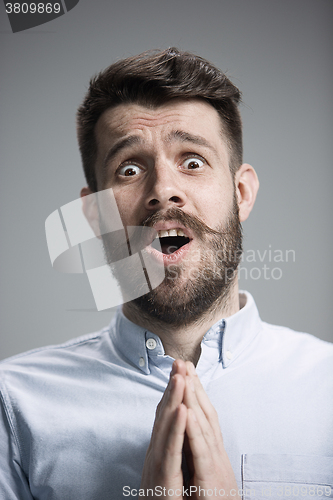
162, 131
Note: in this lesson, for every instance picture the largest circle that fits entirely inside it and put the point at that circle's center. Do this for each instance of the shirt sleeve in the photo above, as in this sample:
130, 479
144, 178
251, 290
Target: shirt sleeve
14, 484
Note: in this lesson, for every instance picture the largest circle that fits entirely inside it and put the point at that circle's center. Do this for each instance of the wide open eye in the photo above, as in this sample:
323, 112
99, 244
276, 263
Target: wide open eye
129, 170
192, 163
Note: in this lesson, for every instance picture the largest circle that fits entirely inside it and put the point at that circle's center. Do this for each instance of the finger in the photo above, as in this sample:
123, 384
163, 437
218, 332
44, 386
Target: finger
173, 393
210, 469
172, 462
165, 414
196, 398
202, 397
201, 455
179, 366
191, 401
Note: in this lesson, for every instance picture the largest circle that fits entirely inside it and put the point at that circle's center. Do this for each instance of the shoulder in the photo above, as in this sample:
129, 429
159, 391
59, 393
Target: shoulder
88, 346
280, 343
300, 348
285, 334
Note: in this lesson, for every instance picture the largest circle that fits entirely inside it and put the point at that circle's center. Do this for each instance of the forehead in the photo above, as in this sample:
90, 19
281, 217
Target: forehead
193, 116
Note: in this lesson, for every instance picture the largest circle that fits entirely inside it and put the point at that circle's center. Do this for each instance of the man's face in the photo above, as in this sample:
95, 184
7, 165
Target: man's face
168, 168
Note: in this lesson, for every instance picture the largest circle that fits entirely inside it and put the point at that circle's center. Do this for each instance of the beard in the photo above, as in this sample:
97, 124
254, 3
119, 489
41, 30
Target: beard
199, 284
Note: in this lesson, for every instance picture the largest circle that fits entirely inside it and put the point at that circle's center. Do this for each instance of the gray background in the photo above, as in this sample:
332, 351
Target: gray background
278, 52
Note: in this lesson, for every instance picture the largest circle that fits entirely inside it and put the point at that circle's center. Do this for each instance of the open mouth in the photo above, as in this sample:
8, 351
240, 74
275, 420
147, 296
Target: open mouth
170, 240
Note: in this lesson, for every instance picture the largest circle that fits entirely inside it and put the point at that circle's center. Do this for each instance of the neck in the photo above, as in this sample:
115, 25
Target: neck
183, 342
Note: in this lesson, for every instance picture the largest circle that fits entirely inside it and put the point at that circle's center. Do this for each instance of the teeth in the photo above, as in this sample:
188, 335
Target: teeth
171, 232
163, 234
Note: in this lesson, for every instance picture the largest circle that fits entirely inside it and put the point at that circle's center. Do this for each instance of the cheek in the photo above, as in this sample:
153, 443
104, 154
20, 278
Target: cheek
213, 204
129, 206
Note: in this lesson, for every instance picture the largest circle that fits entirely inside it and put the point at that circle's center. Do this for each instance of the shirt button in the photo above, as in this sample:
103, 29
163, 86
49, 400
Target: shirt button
228, 354
141, 362
151, 344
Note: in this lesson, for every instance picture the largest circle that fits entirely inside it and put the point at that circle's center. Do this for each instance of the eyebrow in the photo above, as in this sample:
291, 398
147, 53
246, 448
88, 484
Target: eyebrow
180, 135
119, 146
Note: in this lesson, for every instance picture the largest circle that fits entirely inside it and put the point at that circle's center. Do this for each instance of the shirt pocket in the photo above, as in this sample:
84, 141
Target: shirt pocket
284, 477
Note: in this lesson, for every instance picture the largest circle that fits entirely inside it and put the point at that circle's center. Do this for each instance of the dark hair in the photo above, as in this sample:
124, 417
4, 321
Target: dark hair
152, 79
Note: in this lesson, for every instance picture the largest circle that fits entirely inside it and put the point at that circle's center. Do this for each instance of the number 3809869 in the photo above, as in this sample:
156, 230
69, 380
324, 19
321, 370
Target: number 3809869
33, 8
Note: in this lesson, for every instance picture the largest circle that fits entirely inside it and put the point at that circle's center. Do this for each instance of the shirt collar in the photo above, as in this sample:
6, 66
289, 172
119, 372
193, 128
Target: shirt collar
240, 329
229, 336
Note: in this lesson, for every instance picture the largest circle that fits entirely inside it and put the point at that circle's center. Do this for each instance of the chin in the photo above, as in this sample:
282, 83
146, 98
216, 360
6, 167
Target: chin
179, 301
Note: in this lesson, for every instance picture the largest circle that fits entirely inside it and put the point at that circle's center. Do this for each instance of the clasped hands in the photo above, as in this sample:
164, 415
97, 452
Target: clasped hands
186, 421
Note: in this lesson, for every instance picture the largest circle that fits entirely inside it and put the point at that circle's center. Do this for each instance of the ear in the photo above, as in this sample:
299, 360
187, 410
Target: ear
247, 185
90, 209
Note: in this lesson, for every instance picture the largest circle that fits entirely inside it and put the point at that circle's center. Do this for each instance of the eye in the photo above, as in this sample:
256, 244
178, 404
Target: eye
192, 163
129, 170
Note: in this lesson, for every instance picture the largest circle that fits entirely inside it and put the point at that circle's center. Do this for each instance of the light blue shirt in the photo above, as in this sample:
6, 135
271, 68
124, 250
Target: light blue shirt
76, 419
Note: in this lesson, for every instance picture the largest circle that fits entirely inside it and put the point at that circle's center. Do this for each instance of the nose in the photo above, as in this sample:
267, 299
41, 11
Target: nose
165, 189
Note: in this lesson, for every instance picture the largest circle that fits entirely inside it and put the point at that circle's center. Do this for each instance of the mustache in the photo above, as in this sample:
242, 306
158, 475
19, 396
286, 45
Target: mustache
177, 215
